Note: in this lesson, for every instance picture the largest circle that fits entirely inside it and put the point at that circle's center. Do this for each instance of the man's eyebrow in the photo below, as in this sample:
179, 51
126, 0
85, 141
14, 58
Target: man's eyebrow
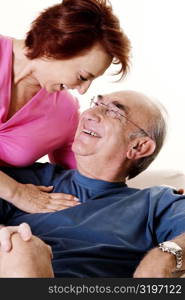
121, 106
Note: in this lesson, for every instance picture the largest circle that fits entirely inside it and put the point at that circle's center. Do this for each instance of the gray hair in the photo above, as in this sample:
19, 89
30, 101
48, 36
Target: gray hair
157, 129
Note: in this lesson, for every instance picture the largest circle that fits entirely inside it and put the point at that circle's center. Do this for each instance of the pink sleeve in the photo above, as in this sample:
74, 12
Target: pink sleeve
64, 155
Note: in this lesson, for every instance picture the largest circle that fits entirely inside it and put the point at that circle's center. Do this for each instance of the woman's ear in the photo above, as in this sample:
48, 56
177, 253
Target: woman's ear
141, 147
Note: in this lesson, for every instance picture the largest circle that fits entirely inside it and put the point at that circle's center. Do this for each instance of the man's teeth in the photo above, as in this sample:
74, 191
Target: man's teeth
89, 132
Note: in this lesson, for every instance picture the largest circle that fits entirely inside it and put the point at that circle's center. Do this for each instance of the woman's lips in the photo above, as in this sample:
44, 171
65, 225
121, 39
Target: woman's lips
63, 87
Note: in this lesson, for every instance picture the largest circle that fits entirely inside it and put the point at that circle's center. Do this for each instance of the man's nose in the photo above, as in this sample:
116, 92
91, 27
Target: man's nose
92, 114
82, 89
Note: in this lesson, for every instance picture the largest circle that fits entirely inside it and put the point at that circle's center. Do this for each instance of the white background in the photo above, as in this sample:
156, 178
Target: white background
156, 30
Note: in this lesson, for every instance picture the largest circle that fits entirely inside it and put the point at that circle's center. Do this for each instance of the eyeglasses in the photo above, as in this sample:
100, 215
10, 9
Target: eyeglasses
112, 111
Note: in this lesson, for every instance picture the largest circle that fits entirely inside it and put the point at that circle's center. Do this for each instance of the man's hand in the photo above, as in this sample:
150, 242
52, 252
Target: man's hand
7, 232
38, 199
179, 191
156, 264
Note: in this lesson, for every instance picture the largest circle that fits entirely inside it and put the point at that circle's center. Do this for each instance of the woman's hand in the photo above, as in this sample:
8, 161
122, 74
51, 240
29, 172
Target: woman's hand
38, 199
6, 233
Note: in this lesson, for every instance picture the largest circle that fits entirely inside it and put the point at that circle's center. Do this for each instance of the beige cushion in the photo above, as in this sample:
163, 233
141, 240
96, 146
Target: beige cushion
170, 177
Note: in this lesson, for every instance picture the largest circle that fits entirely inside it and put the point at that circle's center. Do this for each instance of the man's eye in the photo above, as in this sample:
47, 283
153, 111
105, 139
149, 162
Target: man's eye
82, 78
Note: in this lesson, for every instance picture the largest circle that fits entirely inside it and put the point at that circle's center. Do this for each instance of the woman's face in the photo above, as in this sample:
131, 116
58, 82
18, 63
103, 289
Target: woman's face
75, 73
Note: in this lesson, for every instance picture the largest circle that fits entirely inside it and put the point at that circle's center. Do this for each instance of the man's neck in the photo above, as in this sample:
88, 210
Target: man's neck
101, 171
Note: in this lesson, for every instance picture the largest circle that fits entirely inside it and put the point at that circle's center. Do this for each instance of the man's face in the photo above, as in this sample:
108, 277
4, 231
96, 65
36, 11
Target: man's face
104, 131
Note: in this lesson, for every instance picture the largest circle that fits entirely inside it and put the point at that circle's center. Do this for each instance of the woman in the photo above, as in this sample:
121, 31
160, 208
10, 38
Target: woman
68, 46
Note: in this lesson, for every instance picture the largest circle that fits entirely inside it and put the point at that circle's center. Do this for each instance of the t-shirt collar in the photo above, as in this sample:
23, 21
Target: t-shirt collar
96, 184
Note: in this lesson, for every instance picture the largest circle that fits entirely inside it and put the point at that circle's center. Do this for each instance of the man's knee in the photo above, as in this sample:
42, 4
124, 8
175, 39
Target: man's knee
26, 259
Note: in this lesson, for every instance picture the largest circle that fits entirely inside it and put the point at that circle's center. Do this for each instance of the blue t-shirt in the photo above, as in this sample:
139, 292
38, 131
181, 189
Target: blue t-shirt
109, 232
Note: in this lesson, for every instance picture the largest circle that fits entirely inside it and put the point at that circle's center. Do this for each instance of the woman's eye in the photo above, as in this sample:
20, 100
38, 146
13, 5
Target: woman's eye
82, 78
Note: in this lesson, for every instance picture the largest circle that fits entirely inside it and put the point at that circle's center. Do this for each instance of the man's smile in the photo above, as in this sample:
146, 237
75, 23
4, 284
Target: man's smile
90, 132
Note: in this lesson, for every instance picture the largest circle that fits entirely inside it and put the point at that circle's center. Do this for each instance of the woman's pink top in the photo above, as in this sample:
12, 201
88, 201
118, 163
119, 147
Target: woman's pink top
45, 125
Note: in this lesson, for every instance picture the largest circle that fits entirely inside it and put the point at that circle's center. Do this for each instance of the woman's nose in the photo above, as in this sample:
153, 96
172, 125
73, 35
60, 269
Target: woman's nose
82, 89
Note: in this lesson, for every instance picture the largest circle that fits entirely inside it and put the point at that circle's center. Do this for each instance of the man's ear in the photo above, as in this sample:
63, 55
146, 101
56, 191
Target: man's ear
141, 147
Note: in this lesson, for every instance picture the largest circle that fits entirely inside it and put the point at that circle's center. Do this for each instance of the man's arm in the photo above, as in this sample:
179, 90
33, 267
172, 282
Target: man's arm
159, 264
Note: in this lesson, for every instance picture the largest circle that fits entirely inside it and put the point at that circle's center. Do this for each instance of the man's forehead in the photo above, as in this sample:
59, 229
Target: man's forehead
129, 98
122, 98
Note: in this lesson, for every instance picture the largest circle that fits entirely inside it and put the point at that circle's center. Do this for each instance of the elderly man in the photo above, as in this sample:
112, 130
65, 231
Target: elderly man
110, 232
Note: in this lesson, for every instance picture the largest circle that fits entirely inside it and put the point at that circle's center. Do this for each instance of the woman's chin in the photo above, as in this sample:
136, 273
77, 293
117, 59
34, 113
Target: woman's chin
52, 89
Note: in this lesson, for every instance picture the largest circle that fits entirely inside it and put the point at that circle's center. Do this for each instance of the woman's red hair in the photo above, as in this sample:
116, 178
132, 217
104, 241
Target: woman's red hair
72, 27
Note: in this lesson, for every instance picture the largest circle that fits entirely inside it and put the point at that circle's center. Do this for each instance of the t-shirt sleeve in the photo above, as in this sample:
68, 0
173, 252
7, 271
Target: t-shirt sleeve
169, 220
38, 173
64, 155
